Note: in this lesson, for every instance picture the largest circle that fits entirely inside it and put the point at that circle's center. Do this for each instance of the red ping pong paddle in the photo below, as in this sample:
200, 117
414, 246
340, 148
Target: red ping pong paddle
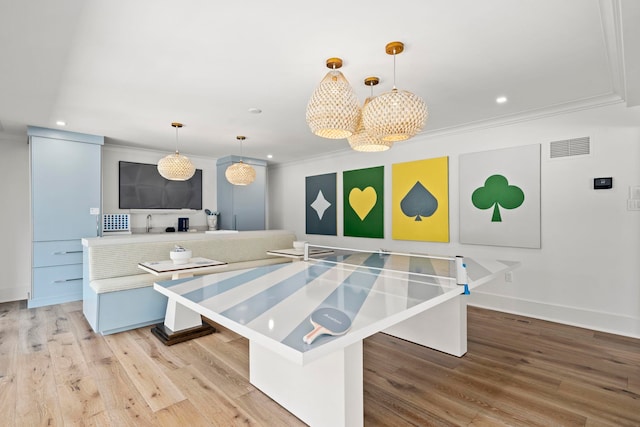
328, 321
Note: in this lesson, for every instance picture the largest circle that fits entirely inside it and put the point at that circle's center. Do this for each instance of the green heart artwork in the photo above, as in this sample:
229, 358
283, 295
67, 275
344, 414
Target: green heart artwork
363, 192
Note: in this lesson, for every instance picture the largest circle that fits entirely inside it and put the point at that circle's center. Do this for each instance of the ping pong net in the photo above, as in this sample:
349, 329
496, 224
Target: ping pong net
439, 270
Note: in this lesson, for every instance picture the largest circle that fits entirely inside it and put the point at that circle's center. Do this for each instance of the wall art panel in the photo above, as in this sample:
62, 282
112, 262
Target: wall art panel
500, 197
320, 204
363, 193
420, 200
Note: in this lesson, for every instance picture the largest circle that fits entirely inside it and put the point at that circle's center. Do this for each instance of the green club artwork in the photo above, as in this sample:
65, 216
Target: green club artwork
497, 193
499, 197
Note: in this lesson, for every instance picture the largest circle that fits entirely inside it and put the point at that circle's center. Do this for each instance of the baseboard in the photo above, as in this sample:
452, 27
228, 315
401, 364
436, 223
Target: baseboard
599, 321
14, 294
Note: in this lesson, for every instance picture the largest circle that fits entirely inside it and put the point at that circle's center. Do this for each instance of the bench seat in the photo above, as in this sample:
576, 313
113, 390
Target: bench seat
118, 296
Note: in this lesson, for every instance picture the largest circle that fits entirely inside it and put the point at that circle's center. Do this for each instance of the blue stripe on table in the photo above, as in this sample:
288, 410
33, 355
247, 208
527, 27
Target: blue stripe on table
247, 310
224, 285
347, 297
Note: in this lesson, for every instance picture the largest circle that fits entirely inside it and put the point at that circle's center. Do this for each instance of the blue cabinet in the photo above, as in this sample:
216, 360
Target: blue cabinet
241, 207
65, 207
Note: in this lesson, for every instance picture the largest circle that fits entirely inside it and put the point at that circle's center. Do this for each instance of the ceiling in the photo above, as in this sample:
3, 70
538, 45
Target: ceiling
127, 69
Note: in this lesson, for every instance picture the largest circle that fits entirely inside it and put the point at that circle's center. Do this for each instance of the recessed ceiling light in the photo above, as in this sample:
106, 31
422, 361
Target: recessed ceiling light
255, 110
501, 99
269, 156
61, 123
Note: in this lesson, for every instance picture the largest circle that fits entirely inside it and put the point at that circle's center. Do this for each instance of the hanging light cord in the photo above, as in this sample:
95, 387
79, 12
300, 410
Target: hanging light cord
177, 152
394, 68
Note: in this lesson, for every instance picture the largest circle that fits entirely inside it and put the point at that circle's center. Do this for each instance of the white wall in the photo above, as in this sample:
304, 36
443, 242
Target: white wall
111, 155
15, 251
587, 272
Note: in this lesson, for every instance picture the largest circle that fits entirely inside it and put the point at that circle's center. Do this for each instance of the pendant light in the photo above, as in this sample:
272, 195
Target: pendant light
333, 110
240, 173
363, 140
396, 115
176, 167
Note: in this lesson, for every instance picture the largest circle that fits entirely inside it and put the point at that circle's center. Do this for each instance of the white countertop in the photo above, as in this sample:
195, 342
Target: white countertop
167, 237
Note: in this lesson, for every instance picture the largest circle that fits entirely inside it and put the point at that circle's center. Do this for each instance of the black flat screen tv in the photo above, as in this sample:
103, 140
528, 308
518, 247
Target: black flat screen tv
142, 187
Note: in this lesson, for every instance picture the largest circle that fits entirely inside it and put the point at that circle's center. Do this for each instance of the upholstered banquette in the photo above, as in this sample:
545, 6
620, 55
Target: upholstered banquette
118, 296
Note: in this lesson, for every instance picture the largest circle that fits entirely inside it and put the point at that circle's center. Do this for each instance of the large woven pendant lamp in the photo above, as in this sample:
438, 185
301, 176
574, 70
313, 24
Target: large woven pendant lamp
176, 167
240, 173
396, 115
333, 110
363, 140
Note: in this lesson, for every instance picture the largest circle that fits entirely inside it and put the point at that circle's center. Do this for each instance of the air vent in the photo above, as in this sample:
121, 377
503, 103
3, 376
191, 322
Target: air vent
570, 147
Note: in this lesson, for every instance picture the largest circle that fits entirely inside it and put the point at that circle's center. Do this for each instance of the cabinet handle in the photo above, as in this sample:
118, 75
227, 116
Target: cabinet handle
67, 252
67, 280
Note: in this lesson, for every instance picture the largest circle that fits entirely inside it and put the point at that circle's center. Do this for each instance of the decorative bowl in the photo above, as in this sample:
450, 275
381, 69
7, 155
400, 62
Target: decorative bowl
180, 257
299, 244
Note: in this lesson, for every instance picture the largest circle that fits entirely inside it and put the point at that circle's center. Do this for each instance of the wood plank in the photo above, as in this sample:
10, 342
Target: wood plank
182, 414
156, 350
208, 398
56, 320
67, 358
422, 397
147, 377
206, 360
125, 405
8, 387
617, 406
32, 331
93, 346
229, 346
268, 413
82, 402
37, 402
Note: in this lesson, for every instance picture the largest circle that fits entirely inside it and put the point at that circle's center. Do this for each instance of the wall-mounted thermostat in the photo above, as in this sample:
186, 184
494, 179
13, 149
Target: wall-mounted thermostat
602, 183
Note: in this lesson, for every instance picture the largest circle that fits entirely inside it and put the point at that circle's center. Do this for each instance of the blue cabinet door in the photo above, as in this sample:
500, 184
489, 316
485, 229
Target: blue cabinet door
65, 177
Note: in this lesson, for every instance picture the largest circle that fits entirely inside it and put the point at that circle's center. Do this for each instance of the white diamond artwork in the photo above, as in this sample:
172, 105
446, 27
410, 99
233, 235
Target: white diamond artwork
320, 204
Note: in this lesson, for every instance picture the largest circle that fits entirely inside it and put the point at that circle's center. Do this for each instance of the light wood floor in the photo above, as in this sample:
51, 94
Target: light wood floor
518, 371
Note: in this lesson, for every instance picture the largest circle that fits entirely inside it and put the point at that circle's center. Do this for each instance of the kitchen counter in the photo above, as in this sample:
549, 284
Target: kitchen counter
120, 239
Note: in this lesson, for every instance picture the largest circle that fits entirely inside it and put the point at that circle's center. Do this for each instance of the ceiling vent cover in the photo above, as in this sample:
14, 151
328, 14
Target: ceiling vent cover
570, 147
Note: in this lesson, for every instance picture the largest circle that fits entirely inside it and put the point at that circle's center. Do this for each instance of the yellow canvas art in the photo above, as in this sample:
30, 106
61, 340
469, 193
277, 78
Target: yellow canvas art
420, 200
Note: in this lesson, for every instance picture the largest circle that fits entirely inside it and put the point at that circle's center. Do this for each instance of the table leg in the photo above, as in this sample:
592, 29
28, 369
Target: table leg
325, 392
443, 327
180, 324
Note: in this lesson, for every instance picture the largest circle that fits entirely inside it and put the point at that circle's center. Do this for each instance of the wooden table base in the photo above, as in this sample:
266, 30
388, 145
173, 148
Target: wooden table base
168, 337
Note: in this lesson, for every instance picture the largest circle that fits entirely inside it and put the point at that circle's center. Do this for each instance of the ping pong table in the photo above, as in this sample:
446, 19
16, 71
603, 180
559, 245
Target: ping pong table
410, 296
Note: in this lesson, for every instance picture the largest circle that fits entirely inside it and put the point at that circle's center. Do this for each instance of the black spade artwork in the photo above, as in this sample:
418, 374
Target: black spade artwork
419, 202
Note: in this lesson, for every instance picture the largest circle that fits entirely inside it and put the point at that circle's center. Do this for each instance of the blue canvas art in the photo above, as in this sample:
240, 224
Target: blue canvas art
320, 204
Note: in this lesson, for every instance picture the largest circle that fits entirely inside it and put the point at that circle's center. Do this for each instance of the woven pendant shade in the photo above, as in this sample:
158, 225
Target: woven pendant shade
333, 110
240, 174
176, 167
395, 116
362, 139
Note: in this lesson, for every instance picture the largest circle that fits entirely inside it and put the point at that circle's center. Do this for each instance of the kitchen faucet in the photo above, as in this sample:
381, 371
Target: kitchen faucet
148, 223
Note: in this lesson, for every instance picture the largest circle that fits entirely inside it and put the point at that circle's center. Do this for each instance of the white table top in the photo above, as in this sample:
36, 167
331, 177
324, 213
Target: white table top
298, 253
272, 304
167, 266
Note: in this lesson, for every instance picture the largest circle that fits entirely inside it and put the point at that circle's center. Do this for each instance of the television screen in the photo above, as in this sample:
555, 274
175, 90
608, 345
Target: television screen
142, 187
